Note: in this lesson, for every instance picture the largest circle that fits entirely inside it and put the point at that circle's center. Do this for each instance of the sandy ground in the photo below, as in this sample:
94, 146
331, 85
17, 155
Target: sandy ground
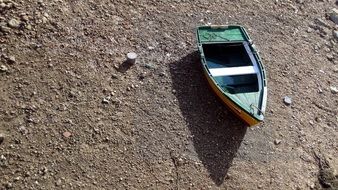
73, 116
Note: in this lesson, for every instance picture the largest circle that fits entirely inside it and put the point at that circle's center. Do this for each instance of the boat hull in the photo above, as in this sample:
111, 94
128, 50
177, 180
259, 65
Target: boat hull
247, 118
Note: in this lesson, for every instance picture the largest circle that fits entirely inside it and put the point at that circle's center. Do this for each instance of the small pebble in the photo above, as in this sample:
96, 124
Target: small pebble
2, 5
105, 101
309, 30
17, 178
67, 134
334, 89
2, 138
329, 56
180, 161
13, 23
9, 185
5, 29
149, 66
114, 76
3, 158
11, 59
29, 27
58, 182
163, 74
335, 69
277, 142
320, 91
335, 34
24, 18
3, 68
287, 100
23, 130
334, 16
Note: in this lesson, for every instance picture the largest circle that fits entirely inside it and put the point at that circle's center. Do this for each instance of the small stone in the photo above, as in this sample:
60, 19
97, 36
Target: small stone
287, 100
277, 142
312, 186
67, 134
309, 30
318, 119
11, 59
27, 174
334, 15
9, 185
163, 74
2, 5
44, 19
180, 161
29, 27
3, 68
149, 66
3, 158
321, 22
105, 101
13, 23
335, 34
2, 138
72, 94
23, 130
58, 182
17, 178
334, 89
329, 56
5, 29
114, 76
327, 49
335, 69
142, 76
320, 91
24, 18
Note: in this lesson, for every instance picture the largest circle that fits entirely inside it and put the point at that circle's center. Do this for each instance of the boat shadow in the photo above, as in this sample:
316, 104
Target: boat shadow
217, 133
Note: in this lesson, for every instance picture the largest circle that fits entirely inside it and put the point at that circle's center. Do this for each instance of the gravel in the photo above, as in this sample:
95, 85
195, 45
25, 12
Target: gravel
171, 109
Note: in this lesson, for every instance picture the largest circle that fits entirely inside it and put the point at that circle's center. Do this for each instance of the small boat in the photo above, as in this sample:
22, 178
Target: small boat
234, 70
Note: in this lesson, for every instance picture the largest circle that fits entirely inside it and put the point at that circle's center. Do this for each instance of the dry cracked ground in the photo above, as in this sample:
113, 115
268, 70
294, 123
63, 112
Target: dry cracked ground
74, 116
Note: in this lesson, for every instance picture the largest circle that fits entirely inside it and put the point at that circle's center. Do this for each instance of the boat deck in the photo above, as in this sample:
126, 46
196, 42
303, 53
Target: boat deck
231, 67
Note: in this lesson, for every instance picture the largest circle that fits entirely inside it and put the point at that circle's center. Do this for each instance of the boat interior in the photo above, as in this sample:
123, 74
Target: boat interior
233, 67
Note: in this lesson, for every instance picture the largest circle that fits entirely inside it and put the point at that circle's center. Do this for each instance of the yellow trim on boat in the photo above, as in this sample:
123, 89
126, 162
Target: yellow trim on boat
231, 105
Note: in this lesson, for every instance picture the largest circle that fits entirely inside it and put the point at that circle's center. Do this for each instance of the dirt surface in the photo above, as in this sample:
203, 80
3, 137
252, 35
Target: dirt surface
74, 116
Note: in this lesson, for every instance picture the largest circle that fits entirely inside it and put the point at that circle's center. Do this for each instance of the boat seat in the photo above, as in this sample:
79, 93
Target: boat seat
231, 71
